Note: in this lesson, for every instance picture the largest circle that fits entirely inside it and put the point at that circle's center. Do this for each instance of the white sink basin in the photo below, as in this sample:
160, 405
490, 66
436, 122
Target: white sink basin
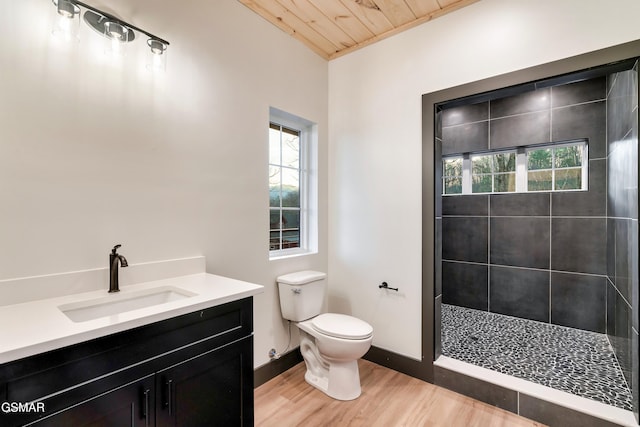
122, 302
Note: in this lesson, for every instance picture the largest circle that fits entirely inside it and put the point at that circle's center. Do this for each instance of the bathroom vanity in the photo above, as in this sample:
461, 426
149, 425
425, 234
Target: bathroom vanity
179, 363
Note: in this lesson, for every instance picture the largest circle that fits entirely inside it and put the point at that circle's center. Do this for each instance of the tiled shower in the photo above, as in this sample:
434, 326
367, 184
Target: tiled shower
568, 259
548, 248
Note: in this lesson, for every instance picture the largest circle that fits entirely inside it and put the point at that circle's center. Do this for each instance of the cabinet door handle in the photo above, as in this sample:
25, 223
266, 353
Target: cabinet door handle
168, 403
145, 407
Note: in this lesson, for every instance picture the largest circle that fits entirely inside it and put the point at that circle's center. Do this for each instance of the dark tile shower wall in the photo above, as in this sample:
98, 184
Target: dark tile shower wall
622, 222
539, 256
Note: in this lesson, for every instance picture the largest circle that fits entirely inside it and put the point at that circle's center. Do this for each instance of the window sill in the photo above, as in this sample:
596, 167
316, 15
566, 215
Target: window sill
291, 253
571, 190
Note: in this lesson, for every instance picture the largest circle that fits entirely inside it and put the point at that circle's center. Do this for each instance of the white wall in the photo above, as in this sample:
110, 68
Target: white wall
94, 153
375, 136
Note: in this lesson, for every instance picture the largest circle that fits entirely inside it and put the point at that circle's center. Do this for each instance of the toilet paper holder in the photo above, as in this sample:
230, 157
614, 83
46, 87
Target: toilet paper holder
385, 285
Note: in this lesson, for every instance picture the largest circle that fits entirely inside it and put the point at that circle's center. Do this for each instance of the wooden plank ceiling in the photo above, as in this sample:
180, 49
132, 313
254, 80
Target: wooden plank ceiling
332, 28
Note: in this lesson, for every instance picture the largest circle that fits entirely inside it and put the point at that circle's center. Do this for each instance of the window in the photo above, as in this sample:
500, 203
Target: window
284, 187
552, 167
556, 168
452, 175
493, 173
292, 185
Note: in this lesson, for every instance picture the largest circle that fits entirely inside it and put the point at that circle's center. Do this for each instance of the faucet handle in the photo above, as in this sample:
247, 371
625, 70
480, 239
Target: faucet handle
115, 249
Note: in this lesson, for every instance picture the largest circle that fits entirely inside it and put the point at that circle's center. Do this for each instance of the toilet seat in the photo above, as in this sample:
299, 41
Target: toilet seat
342, 326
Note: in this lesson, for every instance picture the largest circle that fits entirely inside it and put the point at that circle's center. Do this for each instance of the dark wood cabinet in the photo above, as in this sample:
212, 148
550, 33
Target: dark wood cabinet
205, 391
129, 405
191, 370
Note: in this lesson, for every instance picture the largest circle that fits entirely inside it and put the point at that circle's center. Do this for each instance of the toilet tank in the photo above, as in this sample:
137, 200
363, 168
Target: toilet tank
301, 294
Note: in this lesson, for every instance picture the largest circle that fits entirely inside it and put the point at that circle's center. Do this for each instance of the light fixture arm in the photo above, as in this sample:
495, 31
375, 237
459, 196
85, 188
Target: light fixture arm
117, 20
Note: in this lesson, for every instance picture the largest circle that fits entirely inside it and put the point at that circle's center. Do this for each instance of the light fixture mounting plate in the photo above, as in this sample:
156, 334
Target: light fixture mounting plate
97, 22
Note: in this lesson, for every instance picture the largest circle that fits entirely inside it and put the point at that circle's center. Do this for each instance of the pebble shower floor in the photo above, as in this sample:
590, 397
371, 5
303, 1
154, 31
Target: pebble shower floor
566, 359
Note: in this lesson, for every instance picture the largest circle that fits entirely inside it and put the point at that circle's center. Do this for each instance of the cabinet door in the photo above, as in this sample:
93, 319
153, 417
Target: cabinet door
213, 389
130, 405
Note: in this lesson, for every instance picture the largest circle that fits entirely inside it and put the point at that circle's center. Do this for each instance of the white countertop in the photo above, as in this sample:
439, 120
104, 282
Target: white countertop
38, 326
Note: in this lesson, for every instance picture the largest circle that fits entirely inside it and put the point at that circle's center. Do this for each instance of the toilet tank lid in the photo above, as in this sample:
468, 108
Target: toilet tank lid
301, 277
342, 326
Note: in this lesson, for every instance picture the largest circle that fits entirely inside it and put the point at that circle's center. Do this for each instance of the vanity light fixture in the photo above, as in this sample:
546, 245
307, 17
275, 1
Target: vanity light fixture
116, 30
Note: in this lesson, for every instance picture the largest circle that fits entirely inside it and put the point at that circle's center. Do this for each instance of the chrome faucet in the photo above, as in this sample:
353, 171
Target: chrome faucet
114, 257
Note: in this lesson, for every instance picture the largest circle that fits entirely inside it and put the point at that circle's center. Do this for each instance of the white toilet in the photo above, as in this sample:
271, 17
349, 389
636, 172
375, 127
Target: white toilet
330, 343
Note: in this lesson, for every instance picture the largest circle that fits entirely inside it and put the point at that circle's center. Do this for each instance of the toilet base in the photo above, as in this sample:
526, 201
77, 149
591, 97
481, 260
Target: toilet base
341, 383
338, 378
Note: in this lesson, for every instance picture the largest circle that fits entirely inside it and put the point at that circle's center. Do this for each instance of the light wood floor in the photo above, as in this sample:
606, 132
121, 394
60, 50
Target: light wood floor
388, 398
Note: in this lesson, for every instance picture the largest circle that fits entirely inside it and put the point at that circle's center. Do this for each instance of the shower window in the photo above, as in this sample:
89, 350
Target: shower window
550, 167
493, 173
557, 168
452, 175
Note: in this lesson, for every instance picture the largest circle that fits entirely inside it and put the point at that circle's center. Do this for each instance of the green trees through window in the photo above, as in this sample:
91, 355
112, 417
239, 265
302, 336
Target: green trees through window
558, 168
452, 175
553, 167
493, 173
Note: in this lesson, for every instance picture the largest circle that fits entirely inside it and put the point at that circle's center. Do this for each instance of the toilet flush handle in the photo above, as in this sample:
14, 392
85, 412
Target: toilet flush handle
296, 290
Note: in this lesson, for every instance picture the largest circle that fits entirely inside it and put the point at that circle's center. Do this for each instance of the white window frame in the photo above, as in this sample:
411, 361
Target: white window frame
493, 173
452, 176
522, 170
308, 164
584, 167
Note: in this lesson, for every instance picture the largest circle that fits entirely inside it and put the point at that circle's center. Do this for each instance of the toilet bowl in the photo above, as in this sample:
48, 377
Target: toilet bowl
330, 343
332, 361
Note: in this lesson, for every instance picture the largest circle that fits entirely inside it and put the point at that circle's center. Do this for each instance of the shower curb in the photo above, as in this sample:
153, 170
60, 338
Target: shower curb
533, 401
